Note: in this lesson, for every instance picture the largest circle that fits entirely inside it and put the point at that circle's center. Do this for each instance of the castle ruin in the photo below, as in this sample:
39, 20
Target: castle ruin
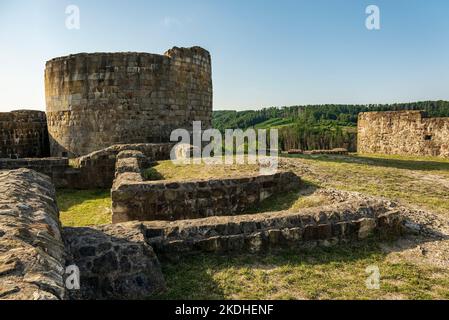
113, 113
403, 133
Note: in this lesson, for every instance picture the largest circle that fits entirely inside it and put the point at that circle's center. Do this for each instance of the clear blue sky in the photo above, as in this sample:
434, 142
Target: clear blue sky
264, 52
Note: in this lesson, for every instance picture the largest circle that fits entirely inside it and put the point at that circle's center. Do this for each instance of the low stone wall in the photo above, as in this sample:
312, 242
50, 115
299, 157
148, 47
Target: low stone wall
95, 170
114, 261
342, 222
55, 168
32, 252
134, 199
337, 151
58, 170
23, 134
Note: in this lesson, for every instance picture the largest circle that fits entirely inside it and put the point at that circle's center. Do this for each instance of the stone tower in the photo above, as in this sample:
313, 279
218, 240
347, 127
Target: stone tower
101, 99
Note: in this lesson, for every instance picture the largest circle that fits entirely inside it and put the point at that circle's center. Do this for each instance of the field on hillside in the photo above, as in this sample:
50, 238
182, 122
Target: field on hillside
415, 267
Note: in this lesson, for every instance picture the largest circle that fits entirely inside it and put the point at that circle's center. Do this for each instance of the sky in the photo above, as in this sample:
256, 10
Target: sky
264, 52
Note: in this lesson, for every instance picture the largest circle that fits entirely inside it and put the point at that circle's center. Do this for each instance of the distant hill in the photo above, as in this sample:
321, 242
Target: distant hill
316, 126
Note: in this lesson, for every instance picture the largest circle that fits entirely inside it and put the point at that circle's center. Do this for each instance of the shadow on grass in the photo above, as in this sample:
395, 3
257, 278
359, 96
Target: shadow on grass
309, 271
192, 277
151, 174
381, 161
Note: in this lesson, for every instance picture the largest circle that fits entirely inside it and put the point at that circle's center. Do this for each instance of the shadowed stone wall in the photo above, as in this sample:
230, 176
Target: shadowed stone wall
115, 262
404, 133
101, 99
23, 134
95, 170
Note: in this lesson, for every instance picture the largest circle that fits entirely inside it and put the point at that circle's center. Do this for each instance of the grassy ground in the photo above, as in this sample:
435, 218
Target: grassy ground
418, 181
319, 273
84, 207
169, 171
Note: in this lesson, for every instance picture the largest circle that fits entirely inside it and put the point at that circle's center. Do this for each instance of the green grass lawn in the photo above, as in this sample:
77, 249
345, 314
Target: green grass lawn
79, 208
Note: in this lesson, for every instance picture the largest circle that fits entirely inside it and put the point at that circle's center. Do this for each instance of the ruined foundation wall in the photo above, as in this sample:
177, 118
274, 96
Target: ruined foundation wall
95, 170
404, 133
135, 199
352, 217
23, 134
101, 99
32, 254
115, 262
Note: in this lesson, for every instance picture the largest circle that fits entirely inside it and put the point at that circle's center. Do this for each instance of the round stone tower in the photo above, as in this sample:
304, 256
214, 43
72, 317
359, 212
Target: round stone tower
101, 99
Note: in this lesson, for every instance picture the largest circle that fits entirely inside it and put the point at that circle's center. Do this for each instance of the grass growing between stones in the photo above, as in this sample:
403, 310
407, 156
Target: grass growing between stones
80, 208
319, 273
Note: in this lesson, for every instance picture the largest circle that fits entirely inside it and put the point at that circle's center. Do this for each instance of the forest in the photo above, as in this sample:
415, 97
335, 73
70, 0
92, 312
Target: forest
316, 126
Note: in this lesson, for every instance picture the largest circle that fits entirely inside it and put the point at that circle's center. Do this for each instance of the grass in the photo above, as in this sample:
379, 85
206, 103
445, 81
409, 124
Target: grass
418, 181
151, 174
319, 273
79, 208
182, 172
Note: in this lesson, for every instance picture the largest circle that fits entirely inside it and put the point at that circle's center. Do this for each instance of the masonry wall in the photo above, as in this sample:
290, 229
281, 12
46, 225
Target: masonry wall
115, 262
101, 99
325, 225
32, 253
135, 199
23, 134
95, 170
404, 133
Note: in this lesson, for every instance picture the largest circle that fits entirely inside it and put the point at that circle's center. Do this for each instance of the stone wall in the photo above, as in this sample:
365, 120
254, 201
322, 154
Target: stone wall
99, 167
121, 261
23, 134
32, 254
114, 261
404, 133
336, 151
95, 170
354, 218
101, 99
52, 167
135, 199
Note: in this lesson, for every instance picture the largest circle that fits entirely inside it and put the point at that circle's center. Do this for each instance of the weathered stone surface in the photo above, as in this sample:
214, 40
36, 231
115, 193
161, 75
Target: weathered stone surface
339, 151
354, 219
31, 249
23, 134
134, 199
95, 170
403, 132
101, 99
115, 262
